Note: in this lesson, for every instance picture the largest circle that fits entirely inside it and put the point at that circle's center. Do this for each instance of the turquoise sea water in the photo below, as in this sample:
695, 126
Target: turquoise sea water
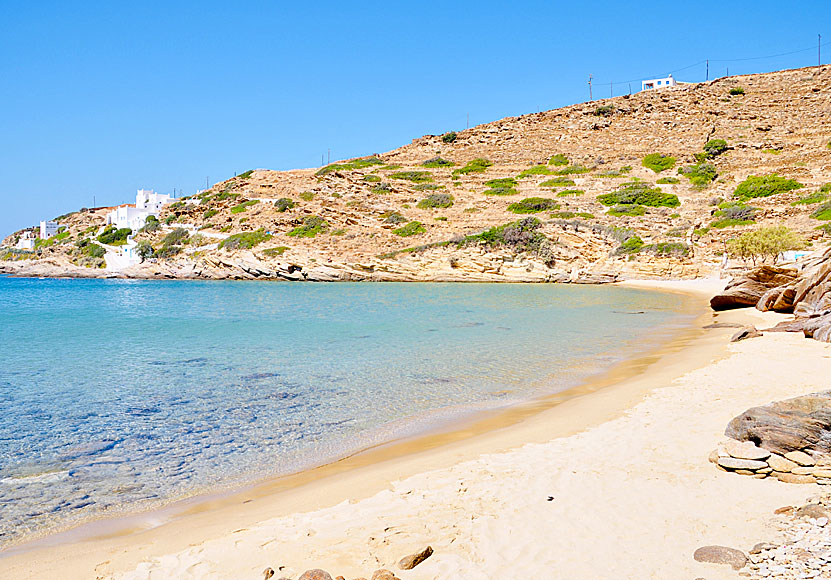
122, 395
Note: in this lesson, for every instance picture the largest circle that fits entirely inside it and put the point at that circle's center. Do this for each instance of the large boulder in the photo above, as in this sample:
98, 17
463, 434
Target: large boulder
798, 424
748, 290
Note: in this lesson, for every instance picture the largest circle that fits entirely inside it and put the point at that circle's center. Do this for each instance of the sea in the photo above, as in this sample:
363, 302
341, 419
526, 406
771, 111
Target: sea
124, 395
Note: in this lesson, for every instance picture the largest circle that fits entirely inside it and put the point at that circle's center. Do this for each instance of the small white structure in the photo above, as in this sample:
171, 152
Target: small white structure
658, 83
148, 203
48, 229
26, 241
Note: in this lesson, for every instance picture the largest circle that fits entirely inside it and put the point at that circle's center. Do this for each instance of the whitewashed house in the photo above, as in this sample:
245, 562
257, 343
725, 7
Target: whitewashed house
148, 203
658, 83
48, 229
26, 241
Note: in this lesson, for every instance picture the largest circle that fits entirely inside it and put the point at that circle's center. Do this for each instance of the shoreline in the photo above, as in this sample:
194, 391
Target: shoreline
464, 440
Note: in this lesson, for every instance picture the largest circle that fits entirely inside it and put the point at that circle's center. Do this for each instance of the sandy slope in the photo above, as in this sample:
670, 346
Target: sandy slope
633, 492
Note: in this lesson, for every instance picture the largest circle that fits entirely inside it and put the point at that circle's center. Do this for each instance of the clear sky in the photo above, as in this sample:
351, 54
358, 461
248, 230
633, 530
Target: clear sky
98, 99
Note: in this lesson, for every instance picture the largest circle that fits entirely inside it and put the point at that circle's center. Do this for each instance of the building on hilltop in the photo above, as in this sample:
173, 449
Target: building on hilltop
26, 241
48, 229
148, 203
650, 84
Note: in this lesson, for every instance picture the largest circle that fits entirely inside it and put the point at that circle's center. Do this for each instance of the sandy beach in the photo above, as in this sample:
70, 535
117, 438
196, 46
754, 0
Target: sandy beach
613, 483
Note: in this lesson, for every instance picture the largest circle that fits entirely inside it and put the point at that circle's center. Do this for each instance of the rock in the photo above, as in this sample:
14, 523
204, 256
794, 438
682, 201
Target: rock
801, 458
803, 471
745, 450
779, 463
748, 464
721, 555
383, 574
744, 333
316, 574
793, 478
789, 425
713, 457
823, 473
723, 325
413, 560
761, 546
268, 573
749, 289
813, 510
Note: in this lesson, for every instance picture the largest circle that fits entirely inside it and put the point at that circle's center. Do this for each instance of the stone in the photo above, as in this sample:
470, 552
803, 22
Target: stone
736, 559
268, 573
800, 457
383, 574
745, 333
745, 472
745, 450
791, 425
315, 574
713, 457
747, 290
824, 473
813, 510
413, 560
793, 478
761, 546
779, 463
733, 463
803, 471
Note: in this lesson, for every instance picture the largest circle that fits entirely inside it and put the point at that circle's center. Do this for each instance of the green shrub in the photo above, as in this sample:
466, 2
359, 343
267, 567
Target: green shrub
389, 167
114, 237
449, 137
639, 193
676, 249
701, 174
736, 91
284, 204
244, 206
812, 198
144, 250
520, 236
658, 163
534, 205
312, 226
95, 251
631, 245
394, 218
668, 180
535, 170
275, 252
502, 182
245, 240
733, 214
558, 159
414, 176
411, 229
764, 243
436, 200
604, 111
307, 195
176, 237
382, 189
715, 147
823, 212
372, 178
360, 163
437, 162
558, 182
246, 174
570, 193
572, 170
478, 165
627, 209
764, 186
151, 224
427, 186
208, 214
500, 191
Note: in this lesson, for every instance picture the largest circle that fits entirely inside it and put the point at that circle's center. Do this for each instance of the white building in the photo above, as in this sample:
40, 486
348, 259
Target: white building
48, 229
148, 203
658, 83
26, 241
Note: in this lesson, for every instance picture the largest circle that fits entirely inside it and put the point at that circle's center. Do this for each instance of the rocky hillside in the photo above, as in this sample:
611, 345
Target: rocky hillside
651, 184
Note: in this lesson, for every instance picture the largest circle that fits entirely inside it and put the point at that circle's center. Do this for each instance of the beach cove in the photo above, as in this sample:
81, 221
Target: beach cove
633, 451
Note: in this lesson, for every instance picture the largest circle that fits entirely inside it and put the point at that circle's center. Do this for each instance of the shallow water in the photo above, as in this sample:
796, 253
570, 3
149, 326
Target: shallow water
122, 395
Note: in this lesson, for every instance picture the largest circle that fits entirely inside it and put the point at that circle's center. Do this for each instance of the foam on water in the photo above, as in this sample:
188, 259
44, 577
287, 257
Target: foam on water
128, 394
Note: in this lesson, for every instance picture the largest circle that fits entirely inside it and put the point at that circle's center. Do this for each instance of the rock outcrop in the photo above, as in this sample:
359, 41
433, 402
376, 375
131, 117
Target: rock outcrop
749, 289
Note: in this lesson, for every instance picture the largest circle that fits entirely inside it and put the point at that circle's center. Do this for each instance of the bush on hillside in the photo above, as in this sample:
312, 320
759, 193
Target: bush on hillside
436, 200
411, 229
764, 186
558, 159
312, 226
478, 165
449, 137
658, 163
534, 205
701, 174
437, 162
640, 193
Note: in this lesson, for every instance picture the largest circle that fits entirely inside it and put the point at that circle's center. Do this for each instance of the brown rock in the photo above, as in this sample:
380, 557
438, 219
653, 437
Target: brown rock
413, 560
813, 510
268, 573
801, 458
748, 290
789, 425
721, 555
745, 450
383, 574
746, 464
745, 333
793, 478
779, 463
316, 574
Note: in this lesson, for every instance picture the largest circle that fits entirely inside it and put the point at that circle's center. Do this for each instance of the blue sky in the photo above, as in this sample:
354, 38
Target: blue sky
102, 98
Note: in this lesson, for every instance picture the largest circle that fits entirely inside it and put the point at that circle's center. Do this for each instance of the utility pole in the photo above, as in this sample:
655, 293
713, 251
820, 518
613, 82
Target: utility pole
321, 159
630, 89
819, 49
708, 70
328, 156
590, 88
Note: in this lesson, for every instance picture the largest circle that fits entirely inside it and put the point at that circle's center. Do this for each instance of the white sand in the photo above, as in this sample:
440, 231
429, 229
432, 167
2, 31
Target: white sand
634, 494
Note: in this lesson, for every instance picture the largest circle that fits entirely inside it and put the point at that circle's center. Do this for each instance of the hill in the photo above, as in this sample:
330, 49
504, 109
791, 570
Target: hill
647, 185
